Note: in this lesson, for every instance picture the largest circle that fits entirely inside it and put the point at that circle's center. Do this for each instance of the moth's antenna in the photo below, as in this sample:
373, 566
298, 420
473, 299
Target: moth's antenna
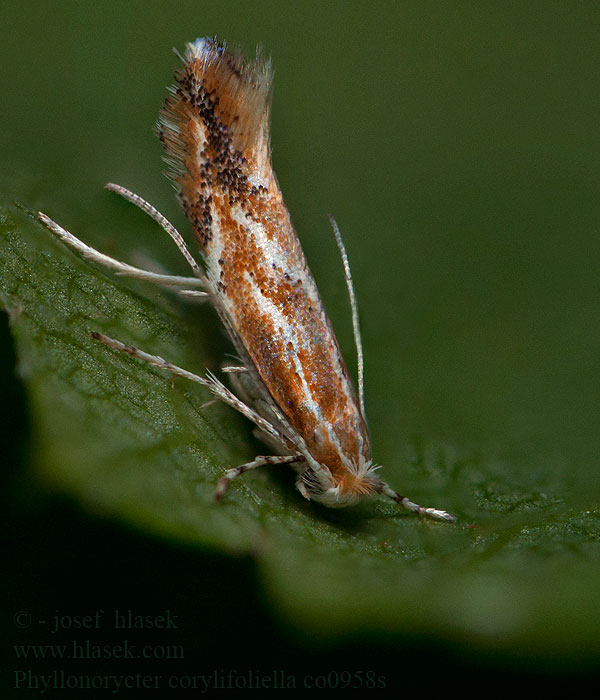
355, 319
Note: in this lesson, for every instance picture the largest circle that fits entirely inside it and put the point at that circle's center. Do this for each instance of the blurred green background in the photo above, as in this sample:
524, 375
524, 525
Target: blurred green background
457, 145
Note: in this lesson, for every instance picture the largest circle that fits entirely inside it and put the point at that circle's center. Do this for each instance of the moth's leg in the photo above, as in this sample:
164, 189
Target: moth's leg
227, 396
194, 295
119, 267
387, 490
161, 220
220, 391
230, 475
245, 387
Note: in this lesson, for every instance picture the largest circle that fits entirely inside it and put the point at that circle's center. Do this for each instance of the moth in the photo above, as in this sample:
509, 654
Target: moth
291, 381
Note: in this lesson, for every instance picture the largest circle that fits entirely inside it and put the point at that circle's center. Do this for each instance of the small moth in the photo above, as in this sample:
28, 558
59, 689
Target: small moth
291, 382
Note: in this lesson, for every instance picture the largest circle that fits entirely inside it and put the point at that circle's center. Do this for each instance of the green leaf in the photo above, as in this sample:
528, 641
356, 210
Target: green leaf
520, 571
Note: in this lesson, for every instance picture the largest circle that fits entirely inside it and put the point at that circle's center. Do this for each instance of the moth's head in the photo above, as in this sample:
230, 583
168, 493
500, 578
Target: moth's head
338, 489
